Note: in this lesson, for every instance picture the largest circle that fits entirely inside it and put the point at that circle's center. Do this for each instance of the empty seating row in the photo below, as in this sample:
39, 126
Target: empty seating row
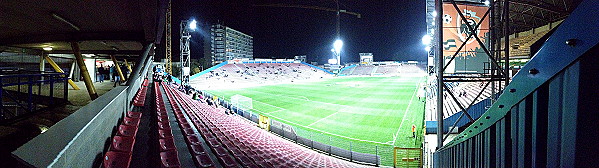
168, 151
196, 149
121, 147
249, 145
140, 97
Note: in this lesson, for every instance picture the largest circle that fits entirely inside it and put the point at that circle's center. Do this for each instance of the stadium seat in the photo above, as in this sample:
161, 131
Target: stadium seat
164, 125
131, 121
220, 151
133, 114
163, 118
116, 160
213, 143
188, 131
167, 144
203, 160
125, 130
193, 140
197, 149
122, 144
227, 161
165, 133
169, 159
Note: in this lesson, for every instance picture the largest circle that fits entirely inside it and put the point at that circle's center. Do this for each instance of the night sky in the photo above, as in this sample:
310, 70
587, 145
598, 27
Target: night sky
390, 29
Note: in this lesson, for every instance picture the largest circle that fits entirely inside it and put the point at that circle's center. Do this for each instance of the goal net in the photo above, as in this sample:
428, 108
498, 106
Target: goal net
242, 102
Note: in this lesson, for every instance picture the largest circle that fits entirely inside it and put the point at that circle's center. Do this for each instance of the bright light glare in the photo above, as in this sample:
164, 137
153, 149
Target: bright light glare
487, 2
193, 25
426, 39
427, 48
434, 13
337, 45
47, 48
333, 50
332, 61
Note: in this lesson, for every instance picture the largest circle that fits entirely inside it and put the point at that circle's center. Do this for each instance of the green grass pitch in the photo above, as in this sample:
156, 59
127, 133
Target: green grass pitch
368, 111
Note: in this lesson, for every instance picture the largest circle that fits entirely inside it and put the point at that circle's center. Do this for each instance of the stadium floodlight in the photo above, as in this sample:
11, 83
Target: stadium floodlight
333, 50
193, 24
47, 48
434, 13
487, 2
337, 45
332, 61
426, 39
427, 48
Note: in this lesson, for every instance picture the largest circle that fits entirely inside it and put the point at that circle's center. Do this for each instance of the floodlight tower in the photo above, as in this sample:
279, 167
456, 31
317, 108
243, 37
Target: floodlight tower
337, 47
187, 26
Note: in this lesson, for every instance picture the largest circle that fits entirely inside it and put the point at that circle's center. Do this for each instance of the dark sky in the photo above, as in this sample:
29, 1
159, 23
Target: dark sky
390, 29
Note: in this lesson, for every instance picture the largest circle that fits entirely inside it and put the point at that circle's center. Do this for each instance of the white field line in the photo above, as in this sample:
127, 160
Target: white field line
404, 115
323, 118
273, 111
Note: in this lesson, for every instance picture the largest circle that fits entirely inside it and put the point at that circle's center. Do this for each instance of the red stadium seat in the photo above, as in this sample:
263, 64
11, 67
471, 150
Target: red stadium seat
213, 143
227, 161
165, 133
125, 130
197, 149
203, 161
245, 160
164, 125
163, 118
122, 144
116, 160
193, 140
131, 121
167, 144
134, 114
170, 159
220, 151
188, 131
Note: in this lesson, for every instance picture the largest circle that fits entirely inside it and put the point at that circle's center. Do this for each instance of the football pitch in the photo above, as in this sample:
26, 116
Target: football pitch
366, 110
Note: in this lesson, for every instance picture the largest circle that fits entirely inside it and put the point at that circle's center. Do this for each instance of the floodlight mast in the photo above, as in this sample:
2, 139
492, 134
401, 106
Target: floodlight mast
337, 47
187, 26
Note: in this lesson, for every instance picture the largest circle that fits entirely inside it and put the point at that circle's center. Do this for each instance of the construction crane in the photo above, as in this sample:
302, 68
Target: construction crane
168, 54
337, 10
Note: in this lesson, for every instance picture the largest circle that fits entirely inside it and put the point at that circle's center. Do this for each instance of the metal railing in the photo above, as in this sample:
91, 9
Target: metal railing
547, 110
24, 93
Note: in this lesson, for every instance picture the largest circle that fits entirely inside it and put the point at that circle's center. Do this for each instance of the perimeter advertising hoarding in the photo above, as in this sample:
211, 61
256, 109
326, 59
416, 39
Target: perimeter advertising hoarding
471, 58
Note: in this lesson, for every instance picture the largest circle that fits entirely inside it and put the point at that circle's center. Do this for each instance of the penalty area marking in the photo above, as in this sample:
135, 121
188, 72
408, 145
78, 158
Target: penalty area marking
323, 118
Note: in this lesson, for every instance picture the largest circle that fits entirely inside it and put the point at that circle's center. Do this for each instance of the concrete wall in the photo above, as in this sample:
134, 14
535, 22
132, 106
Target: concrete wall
80, 138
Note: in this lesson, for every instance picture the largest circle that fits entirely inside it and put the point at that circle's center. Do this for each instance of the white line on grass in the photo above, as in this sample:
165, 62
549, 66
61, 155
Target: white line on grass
275, 111
404, 115
323, 118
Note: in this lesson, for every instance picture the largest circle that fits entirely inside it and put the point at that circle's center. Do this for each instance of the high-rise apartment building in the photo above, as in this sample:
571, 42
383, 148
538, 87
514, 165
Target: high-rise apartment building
229, 44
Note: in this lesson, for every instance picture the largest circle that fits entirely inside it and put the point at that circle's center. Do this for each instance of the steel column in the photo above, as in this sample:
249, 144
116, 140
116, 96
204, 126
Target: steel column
57, 69
118, 68
142, 62
86, 78
440, 61
128, 66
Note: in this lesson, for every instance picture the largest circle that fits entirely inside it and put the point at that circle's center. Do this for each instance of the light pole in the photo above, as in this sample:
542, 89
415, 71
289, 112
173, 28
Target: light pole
187, 26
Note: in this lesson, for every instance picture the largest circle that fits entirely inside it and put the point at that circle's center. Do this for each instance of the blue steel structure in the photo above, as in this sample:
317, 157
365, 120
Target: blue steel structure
547, 116
28, 104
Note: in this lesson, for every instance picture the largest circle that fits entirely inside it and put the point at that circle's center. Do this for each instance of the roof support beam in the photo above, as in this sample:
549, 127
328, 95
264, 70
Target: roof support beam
540, 5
